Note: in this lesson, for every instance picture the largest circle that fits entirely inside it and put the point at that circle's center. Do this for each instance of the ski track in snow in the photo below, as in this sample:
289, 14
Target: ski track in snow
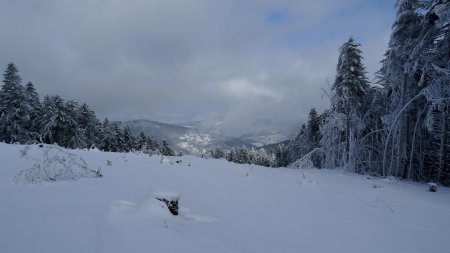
224, 207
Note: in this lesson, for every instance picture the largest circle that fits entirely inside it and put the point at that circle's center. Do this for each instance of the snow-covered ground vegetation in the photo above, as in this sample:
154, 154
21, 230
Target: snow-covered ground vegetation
223, 207
54, 163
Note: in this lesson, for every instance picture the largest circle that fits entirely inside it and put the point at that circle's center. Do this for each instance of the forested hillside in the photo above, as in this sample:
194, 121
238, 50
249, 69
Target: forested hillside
24, 118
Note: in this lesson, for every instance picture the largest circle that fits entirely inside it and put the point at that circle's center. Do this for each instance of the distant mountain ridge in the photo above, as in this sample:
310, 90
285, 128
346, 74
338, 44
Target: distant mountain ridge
188, 139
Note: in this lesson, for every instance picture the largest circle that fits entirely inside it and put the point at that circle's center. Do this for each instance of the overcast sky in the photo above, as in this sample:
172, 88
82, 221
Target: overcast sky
240, 61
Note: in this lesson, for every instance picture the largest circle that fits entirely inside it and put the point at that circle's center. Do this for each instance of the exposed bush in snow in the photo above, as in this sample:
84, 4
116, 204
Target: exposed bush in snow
56, 164
170, 199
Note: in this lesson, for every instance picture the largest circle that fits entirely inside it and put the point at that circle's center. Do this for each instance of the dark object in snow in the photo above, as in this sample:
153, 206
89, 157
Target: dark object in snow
171, 204
108, 162
178, 161
433, 187
170, 199
99, 173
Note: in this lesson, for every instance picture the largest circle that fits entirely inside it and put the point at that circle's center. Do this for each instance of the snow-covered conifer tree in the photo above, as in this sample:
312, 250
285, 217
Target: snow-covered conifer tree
108, 135
313, 130
166, 150
128, 140
89, 126
299, 145
281, 157
348, 103
32, 96
415, 75
15, 112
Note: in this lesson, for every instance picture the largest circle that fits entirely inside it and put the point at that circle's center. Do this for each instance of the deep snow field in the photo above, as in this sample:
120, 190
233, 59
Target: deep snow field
225, 207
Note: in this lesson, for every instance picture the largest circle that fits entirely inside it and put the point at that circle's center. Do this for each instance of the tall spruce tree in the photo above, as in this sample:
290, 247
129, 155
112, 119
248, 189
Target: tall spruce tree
351, 84
348, 104
34, 104
15, 112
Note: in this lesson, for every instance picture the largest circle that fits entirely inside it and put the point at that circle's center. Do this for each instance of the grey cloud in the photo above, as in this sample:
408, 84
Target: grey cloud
188, 59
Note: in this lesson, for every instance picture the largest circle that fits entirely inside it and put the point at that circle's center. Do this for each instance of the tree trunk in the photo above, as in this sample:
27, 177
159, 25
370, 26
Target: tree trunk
442, 146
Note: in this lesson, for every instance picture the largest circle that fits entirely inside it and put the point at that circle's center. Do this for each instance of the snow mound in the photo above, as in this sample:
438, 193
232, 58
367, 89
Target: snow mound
56, 164
153, 211
189, 215
168, 161
166, 195
147, 226
148, 209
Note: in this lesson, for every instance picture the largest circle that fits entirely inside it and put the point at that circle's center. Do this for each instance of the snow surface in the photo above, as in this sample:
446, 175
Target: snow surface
224, 207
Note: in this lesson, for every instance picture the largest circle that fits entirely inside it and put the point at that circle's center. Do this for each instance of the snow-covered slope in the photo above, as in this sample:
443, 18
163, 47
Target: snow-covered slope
263, 132
225, 207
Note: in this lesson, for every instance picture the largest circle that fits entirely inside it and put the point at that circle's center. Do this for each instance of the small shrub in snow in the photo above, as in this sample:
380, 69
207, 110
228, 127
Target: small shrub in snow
56, 164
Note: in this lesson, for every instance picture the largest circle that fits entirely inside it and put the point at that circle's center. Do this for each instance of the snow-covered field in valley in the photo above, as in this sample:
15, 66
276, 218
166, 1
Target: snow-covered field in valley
224, 207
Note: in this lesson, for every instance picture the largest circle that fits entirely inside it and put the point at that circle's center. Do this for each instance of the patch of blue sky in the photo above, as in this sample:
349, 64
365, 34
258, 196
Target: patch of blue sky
275, 17
337, 26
